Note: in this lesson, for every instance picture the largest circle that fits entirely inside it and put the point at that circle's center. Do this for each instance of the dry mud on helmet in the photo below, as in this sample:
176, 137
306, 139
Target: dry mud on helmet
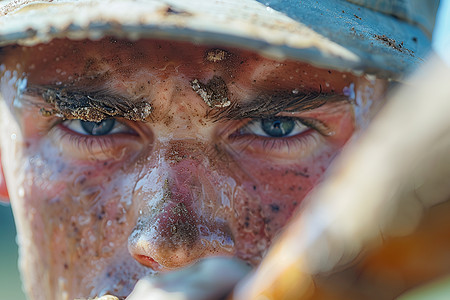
385, 38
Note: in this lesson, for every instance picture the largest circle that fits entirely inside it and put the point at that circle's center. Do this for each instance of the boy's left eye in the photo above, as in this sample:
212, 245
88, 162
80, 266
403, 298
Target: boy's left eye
276, 127
105, 127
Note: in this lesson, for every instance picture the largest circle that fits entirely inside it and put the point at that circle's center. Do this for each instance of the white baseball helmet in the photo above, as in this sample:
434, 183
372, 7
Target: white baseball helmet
385, 38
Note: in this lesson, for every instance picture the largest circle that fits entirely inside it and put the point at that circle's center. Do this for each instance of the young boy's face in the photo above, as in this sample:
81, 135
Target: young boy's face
126, 159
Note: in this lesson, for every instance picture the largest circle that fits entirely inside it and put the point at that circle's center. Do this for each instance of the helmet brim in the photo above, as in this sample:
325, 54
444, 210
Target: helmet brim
326, 33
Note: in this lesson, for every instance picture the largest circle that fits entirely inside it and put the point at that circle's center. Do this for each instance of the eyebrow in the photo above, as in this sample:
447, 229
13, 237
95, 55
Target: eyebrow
96, 105
268, 105
93, 106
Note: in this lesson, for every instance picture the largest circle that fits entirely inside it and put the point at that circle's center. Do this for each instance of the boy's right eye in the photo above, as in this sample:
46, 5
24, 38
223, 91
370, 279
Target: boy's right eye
105, 127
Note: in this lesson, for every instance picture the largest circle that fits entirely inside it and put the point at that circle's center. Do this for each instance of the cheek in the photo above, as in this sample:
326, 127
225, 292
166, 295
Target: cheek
80, 215
87, 203
281, 189
271, 189
266, 200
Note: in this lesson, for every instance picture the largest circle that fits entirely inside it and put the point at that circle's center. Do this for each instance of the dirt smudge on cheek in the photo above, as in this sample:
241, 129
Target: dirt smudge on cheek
264, 203
248, 226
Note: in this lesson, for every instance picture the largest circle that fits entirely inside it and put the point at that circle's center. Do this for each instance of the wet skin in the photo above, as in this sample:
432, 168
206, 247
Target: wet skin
95, 213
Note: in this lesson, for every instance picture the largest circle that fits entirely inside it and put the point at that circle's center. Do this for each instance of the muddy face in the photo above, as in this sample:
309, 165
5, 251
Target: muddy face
117, 166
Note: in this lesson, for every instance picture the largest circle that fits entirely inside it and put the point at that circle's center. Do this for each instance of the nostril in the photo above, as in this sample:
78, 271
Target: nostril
167, 232
147, 261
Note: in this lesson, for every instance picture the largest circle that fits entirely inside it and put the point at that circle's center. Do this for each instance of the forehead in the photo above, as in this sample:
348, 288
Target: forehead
61, 60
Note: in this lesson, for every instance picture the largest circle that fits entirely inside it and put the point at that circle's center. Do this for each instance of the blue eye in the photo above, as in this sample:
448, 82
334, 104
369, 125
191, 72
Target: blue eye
105, 127
98, 128
275, 127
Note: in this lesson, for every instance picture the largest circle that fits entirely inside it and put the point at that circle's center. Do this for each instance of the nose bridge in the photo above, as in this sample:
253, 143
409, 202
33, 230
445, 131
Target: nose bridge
177, 223
188, 167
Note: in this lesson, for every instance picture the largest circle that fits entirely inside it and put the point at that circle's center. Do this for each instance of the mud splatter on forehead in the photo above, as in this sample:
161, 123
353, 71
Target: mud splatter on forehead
216, 55
214, 92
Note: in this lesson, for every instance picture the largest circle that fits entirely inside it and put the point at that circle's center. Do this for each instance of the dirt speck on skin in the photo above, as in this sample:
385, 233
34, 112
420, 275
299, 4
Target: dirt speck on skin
180, 210
393, 43
214, 92
216, 55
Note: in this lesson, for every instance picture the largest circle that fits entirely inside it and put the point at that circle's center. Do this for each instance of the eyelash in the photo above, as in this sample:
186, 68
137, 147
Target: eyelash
88, 143
279, 146
100, 147
114, 127
242, 137
260, 127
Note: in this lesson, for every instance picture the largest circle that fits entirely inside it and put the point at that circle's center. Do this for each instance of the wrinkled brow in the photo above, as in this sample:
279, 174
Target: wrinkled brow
93, 106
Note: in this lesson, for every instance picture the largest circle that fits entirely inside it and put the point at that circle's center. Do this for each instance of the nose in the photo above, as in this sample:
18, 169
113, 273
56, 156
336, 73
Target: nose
179, 222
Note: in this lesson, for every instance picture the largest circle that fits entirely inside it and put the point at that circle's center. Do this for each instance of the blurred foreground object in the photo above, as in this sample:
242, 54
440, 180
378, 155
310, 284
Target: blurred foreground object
210, 278
437, 290
390, 186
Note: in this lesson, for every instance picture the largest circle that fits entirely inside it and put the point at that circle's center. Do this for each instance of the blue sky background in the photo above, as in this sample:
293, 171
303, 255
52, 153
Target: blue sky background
441, 35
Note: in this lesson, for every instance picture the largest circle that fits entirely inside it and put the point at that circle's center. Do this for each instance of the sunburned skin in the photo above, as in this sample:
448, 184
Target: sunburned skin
95, 213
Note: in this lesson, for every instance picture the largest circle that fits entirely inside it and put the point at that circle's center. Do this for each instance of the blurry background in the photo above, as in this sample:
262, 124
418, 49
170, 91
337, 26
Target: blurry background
10, 286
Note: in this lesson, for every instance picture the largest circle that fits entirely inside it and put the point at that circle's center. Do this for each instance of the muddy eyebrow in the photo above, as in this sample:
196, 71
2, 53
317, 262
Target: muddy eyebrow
87, 105
270, 104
